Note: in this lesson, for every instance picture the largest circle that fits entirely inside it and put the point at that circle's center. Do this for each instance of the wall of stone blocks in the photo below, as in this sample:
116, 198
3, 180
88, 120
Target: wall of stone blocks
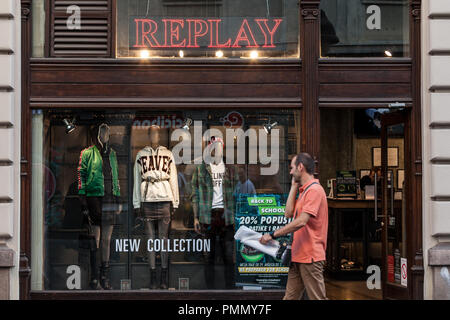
10, 122
436, 144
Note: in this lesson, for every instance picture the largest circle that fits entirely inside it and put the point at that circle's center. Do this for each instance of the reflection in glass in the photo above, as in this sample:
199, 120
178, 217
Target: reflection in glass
364, 28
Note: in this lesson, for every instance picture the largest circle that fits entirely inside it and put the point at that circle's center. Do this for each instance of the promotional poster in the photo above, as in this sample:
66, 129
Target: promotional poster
262, 213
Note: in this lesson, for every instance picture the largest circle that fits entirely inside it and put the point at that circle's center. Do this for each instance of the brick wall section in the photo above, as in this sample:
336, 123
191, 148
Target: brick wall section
10, 17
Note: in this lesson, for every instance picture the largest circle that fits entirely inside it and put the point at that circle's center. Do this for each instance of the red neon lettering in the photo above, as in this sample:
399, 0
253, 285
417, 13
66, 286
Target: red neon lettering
174, 33
136, 45
271, 32
153, 27
243, 36
215, 43
197, 33
177, 36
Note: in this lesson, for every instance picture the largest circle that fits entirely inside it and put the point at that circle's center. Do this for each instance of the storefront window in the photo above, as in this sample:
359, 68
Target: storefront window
207, 28
153, 199
365, 28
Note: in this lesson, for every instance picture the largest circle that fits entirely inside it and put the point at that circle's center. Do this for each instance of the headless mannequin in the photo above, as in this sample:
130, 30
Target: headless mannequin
157, 227
217, 228
101, 229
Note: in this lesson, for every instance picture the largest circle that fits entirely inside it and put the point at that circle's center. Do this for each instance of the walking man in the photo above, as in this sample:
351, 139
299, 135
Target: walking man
309, 227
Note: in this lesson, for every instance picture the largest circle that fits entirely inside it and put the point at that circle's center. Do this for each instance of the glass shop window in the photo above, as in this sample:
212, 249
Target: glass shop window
216, 29
364, 28
131, 200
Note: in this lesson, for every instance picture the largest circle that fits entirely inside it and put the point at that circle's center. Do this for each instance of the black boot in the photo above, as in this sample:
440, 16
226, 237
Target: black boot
94, 283
164, 283
104, 276
153, 279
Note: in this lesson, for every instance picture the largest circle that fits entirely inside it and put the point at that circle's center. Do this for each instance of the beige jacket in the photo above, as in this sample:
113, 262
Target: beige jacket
155, 177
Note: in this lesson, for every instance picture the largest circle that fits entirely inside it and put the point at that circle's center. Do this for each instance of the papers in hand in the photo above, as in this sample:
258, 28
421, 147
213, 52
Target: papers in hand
251, 238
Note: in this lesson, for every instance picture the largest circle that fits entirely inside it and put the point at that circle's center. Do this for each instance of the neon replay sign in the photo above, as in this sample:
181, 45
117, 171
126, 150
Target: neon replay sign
206, 33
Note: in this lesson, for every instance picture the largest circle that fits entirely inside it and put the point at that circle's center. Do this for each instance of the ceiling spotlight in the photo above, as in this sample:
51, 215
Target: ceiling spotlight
144, 54
268, 127
181, 53
187, 124
219, 54
387, 53
397, 105
70, 125
254, 54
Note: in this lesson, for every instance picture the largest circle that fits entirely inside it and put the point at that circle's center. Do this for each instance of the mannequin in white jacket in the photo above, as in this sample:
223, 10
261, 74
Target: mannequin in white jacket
155, 193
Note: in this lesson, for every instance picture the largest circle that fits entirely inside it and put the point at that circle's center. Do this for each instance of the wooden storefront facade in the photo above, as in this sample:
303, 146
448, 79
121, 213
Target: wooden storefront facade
310, 84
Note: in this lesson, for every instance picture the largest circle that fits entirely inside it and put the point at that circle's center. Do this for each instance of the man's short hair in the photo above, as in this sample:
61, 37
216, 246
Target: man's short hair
307, 161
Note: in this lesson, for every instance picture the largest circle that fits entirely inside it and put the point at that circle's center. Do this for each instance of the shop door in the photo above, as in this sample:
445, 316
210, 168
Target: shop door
394, 197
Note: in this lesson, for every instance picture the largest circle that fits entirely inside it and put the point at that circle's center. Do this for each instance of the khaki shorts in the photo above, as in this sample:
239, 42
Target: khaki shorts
305, 276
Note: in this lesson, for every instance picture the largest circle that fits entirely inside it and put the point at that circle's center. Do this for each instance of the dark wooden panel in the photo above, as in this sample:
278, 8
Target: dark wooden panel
414, 224
364, 82
310, 53
365, 71
154, 91
156, 75
366, 76
365, 91
176, 81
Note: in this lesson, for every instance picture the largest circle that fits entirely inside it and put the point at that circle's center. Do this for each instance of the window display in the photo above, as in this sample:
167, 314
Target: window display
154, 198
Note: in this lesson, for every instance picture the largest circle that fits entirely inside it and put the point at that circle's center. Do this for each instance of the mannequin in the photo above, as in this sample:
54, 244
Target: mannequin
213, 216
155, 196
99, 192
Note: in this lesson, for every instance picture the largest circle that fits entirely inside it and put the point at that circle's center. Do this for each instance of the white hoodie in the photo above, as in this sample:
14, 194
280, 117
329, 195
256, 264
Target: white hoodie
159, 167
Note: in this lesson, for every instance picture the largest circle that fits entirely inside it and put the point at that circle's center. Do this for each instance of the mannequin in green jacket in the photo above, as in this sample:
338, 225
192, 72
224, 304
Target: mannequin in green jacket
99, 192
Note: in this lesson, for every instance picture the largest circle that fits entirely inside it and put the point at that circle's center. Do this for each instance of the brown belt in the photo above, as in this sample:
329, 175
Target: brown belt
151, 180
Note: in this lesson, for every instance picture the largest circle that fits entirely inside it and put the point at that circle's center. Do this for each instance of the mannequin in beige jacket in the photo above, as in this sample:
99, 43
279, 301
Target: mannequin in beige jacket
155, 195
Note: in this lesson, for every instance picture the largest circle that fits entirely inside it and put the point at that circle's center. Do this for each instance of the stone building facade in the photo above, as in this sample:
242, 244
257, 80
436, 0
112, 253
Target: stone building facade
436, 151
10, 126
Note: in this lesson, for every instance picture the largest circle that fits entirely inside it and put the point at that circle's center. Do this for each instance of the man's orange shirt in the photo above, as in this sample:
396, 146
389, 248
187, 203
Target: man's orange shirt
310, 242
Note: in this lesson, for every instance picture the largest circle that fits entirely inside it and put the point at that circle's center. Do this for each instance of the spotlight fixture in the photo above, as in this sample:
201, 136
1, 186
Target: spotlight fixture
187, 124
254, 54
144, 54
387, 53
181, 53
397, 105
70, 125
219, 54
268, 127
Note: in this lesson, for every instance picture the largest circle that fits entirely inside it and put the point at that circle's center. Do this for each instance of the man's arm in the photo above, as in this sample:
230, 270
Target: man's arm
290, 202
295, 225
310, 208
